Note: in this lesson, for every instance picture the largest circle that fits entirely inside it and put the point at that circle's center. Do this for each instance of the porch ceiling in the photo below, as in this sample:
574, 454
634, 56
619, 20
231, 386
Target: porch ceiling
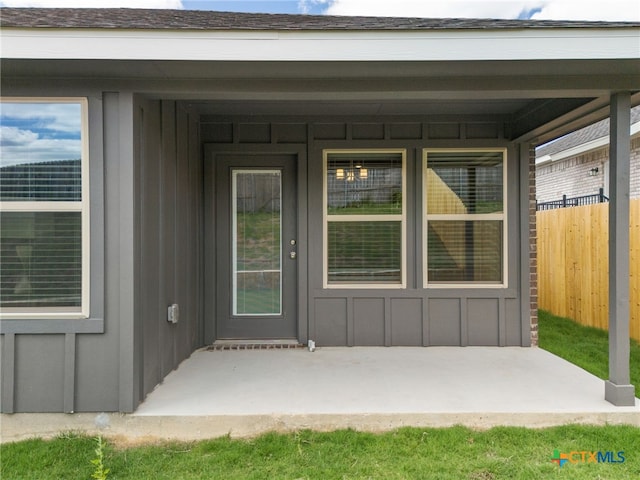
540, 100
360, 107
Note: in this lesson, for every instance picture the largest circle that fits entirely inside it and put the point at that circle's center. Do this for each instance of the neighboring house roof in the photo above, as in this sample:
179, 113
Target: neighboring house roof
129, 18
583, 140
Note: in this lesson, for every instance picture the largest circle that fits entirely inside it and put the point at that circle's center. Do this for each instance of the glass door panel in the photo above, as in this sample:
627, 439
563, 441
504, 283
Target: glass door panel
256, 244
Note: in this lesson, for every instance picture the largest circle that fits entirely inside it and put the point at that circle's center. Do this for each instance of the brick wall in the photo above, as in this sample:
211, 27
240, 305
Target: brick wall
571, 176
635, 168
533, 253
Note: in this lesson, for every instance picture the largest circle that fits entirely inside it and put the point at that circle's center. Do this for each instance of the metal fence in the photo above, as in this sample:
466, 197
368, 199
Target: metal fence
565, 202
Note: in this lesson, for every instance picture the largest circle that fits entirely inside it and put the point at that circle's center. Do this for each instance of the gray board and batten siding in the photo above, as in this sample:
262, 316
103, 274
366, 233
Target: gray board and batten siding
411, 316
148, 251
54, 365
146, 185
148, 225
158, 116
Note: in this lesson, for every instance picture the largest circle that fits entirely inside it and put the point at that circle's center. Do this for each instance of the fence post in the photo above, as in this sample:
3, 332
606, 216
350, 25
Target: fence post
564, 201
601, 195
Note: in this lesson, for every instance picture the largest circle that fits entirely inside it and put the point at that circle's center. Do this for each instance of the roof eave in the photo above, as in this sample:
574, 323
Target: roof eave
273, 45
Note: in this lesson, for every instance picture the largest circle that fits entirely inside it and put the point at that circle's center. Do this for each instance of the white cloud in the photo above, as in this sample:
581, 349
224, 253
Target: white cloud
546, 9
61, 117
13, 137
39, 132
430, 8
609, 10
93, 3
34, 149
307, 6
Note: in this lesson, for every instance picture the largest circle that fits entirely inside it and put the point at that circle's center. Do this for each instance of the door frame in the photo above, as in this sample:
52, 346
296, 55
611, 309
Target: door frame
211, 152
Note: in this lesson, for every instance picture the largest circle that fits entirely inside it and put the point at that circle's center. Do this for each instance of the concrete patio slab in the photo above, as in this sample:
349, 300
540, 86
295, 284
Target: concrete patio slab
376, 380
247, 392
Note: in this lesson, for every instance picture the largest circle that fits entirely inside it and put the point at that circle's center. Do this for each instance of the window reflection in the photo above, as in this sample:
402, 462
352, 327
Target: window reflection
40, 151
43, 231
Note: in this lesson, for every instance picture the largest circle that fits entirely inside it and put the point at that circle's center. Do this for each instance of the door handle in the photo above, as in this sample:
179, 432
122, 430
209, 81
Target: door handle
292, 255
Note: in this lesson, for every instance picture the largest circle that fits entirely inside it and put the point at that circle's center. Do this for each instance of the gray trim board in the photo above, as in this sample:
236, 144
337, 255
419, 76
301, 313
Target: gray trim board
69, 389
303, 250
425, 325
424, 293
464, 322
119, 152
8, 372
52, 325
387, 322
502, 322
350, 327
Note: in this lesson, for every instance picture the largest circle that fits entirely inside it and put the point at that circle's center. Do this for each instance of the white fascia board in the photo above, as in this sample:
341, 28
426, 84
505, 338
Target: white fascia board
582, 148
543, 159
437, 45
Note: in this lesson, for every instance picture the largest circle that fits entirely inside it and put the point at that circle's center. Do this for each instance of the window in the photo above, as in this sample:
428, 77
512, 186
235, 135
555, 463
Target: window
465, 227
364, 218
44, 214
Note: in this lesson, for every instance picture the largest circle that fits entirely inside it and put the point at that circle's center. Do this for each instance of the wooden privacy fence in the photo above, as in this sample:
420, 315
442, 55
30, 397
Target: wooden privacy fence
573, 263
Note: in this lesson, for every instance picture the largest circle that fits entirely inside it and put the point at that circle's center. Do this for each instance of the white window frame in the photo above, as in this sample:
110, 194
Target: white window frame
465, 217
362, 218
60, 206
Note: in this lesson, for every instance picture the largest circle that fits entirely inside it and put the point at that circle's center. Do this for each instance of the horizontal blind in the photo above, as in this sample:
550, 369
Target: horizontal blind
464, 193
364, 214
473, 179
364, 184
41, 259
365, 252
459, 251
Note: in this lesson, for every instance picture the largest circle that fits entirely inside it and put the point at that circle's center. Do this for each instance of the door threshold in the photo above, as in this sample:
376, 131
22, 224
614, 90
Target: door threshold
254, 344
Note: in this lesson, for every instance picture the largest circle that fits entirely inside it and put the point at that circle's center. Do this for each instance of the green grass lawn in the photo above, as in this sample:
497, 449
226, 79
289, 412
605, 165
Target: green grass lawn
409, 453
586, 347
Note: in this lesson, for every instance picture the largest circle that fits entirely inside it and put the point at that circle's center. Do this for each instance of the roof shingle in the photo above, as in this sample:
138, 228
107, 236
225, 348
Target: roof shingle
131, 18
584, 135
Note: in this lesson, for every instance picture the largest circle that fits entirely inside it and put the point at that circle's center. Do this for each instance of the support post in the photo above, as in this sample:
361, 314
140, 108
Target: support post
618, 389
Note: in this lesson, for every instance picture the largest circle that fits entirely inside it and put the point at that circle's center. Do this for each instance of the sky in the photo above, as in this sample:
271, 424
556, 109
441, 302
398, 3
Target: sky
39, 132
609, 10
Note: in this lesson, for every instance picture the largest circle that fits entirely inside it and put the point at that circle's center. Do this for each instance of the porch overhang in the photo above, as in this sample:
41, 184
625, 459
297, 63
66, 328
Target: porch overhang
539, 86
546, 85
